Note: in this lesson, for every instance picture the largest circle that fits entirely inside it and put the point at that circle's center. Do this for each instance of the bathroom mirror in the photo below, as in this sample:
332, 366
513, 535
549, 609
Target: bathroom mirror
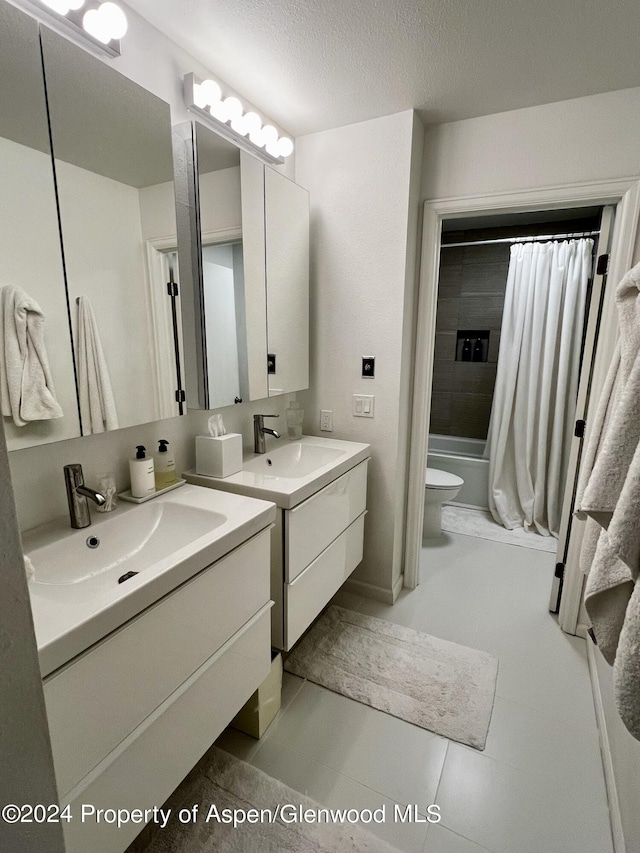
114, 167
287, 274
44, 409
244, 254
221, 228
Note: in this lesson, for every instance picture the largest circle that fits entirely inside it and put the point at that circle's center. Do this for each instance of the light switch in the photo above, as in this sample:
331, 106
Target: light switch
363, 405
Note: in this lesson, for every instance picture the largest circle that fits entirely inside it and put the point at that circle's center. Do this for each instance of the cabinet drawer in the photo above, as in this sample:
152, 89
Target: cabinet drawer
150, 764
315, 523
313, 589
99, 698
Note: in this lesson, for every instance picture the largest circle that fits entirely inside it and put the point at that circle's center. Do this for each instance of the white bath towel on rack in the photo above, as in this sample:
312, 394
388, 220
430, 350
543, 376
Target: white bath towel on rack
26, 385
607, 491
97, 403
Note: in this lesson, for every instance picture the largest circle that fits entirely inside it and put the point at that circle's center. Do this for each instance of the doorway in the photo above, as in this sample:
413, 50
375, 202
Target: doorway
441, 222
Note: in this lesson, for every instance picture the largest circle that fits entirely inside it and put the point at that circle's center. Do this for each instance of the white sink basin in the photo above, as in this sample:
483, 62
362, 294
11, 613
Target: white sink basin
290, 471
96, 557
293, 460
76, 596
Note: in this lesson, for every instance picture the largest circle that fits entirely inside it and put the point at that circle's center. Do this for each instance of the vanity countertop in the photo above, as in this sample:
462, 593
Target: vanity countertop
290, 471
77, 597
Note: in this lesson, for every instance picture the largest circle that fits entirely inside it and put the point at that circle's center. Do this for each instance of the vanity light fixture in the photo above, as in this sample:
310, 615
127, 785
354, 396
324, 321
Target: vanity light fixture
104, 24
205, 99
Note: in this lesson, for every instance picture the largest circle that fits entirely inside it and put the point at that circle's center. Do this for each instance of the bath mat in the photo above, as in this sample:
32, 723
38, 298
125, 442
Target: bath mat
477, 522
435, 684
229, 783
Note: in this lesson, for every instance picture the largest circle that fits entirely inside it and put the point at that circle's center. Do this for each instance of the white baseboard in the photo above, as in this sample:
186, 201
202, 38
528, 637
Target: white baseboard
619, 844
397, 587
370, 590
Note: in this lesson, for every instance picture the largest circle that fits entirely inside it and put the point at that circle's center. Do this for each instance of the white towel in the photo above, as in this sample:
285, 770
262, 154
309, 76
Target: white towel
609, 496
97, 404
26, 386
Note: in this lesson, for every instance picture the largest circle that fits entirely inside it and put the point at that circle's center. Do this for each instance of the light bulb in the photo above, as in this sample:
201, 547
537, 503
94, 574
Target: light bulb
114, 20
94, 25
253, 122
60, 6
234, 107
211, 92
257, 138
219, 111
239, 124
285, 147
273, 148
269, 135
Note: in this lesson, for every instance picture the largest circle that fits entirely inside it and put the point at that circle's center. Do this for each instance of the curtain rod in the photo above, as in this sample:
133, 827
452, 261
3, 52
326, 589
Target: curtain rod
520, 239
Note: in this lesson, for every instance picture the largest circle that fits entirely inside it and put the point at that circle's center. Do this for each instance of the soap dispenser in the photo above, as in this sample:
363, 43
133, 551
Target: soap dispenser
141, 470
165, 469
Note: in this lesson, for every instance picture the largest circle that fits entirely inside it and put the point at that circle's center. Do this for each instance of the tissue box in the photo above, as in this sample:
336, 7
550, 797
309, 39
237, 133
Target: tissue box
219, 457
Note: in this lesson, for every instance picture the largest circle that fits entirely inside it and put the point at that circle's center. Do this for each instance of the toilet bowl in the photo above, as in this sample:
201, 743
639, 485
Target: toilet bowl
439, 487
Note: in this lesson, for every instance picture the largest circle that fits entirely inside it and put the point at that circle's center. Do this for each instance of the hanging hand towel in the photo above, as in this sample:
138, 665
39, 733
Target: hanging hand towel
26, 386
97, 404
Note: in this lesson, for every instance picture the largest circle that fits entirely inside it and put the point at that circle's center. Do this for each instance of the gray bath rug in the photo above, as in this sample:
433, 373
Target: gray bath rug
478, 522
228, 783
432, 683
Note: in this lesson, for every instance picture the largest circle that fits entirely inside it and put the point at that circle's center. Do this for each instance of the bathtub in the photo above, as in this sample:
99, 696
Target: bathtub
464, 457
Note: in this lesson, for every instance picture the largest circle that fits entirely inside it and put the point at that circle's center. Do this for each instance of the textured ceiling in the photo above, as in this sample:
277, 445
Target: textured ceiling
316, 64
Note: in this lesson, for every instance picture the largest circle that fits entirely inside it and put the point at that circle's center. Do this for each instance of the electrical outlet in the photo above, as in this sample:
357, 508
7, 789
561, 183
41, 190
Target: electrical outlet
363, 405
326, 420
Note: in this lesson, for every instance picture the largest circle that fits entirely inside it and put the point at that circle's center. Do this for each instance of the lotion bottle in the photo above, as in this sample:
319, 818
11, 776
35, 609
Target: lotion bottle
165, 470
141, 470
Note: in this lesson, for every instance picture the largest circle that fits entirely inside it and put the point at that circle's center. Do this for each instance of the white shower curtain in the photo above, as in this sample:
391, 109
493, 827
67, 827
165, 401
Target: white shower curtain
532, 417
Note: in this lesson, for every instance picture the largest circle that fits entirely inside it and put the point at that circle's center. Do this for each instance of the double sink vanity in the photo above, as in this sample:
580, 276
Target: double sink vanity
155, 624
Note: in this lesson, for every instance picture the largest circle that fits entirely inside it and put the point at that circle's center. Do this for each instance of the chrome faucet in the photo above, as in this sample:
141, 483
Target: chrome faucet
77, 494
259, 432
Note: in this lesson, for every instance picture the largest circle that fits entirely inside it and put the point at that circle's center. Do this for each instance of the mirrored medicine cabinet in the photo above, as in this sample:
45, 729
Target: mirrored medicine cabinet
88, 241
119, 328
243, 238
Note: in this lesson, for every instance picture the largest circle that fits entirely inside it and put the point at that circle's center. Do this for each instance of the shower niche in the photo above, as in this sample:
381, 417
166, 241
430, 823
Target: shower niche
472, 345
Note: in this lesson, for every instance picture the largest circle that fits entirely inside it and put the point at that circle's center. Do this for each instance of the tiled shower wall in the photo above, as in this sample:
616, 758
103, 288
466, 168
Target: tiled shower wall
470, 296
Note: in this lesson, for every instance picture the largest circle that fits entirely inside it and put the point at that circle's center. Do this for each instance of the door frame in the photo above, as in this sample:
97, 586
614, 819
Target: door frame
625, 194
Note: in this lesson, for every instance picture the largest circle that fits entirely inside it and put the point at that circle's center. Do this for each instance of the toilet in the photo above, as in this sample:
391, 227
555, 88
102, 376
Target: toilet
440, 486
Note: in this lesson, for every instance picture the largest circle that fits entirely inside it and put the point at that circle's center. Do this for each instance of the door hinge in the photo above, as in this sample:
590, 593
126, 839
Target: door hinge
559, 573
172, 288
602, 267
271, 363
180, 396
580, 428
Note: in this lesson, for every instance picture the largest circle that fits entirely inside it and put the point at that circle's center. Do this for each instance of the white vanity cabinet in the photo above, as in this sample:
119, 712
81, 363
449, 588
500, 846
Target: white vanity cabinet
133, 714
319, 486
321, 545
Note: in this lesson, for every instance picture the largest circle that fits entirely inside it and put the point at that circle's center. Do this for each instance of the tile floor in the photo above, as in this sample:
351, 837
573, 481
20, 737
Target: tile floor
537, 788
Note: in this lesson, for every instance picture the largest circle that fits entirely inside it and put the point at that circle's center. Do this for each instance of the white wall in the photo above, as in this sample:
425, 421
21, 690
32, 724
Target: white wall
576, 141
360, 183
27, 763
